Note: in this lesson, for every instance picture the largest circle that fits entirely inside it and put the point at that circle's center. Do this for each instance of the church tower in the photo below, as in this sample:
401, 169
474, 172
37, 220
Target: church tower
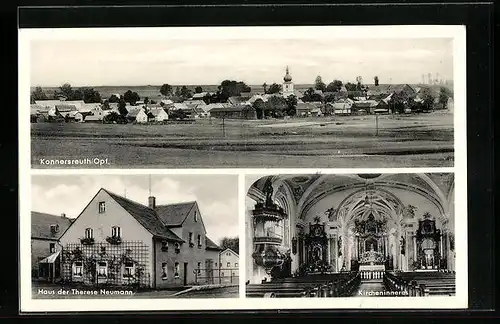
287, 84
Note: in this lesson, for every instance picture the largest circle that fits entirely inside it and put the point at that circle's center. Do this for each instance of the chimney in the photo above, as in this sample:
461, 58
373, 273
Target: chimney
63, 215
152, 202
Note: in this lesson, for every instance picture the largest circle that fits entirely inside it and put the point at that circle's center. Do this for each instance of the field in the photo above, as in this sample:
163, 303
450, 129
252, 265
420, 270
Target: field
333, 142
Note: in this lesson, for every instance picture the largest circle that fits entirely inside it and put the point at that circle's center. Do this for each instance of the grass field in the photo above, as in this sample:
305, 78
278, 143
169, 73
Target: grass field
340, 142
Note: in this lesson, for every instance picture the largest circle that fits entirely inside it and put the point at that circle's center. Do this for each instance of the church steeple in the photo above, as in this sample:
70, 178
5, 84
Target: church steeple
288, 77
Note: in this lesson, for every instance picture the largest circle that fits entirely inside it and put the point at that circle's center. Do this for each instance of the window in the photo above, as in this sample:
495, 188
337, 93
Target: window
236, 264
164, 246
102, 269
116, 231
228, 254
222, 274
52, 247
199, 267
102, 207
199, 240
77, 268
229, 264
195, 216
176, 270
164, 269
89, 233
54, 228
190, 238
128, 271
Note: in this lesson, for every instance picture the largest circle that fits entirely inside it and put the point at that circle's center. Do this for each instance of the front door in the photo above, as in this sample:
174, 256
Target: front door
185, 273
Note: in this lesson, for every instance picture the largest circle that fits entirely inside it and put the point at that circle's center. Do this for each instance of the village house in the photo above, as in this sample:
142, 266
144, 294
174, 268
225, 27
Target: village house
342, 107
245, 111
141, 117
46, 229
229, 265
305, 109
117, 241
159, 114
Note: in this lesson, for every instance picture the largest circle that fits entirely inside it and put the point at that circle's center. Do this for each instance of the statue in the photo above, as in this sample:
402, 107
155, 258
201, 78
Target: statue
268, 191
403, 243
339, 246
371, 247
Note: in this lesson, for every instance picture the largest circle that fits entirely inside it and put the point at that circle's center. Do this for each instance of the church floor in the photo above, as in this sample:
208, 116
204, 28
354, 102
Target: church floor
367, 287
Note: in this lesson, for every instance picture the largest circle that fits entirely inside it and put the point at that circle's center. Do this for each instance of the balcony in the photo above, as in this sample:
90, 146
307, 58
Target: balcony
269, 239
268, 213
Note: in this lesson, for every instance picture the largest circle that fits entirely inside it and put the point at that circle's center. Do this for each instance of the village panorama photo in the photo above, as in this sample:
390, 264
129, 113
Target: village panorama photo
133, 236
241, 97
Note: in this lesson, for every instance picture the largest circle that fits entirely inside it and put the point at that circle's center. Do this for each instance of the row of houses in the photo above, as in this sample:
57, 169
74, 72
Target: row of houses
117, 241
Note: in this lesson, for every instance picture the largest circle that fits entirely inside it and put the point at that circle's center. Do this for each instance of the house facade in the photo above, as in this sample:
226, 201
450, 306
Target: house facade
46, 229
229, 264
117, 241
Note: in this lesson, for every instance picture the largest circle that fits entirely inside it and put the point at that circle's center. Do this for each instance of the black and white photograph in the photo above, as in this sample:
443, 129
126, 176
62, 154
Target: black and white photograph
134, 236
242, 97
351, 235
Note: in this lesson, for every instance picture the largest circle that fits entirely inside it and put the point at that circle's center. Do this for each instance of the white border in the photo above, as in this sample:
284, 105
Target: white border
460, 300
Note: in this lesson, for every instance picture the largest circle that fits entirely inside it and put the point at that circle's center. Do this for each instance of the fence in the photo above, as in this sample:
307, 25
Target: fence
100, 264
207, 276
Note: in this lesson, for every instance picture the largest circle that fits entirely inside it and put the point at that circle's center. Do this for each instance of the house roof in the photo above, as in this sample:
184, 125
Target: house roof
156, 111
66, 107
146, 216
200, 95
237, 108
92, 117
210, 245
133, 112
40, 225
308, 105
46, 103
174, 214
230, 250
195, 102
237, 100
180, 105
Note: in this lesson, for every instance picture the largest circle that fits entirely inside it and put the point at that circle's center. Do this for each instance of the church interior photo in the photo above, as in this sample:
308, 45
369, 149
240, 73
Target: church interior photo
340, 235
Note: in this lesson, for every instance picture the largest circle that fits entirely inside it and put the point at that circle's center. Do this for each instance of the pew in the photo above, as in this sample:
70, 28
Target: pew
333, 285
422, 283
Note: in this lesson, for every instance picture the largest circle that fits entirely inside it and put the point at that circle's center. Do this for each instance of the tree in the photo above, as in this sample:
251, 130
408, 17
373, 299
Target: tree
274, 88
131, 97
185, 92
397, 102
259, 106
444, 95
275, 106
177, 92
91, 96
198, 89
231, 88
311, 95
121, 107
319, 84
146, 100
38, 94
113, 99
264, 85
66, 90
359, 83
232, 243
350, 86
110, 118
291, 102
334, 86
166, 90
375, 80
428, 97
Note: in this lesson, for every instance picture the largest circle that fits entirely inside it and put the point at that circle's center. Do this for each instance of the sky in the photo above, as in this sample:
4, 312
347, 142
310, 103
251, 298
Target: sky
254, 61
216, 195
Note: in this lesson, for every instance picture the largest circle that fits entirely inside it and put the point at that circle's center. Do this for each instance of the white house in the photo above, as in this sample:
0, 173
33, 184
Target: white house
160, 114
141, 117
229, 264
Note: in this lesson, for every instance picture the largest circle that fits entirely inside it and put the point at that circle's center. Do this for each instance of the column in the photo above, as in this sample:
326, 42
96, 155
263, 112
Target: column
335, 254
328, 244
415, 257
